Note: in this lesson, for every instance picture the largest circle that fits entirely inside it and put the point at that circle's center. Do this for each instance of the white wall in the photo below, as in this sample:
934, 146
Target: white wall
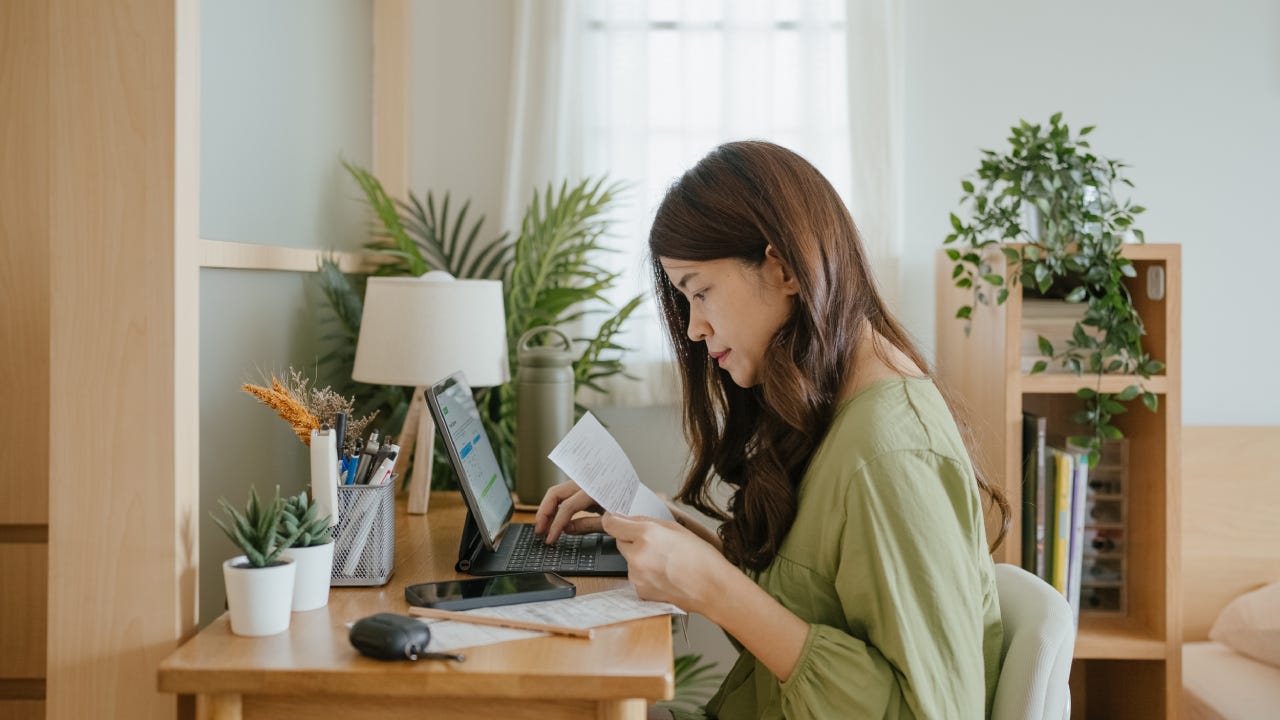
461, 91
285, 88
1188, 93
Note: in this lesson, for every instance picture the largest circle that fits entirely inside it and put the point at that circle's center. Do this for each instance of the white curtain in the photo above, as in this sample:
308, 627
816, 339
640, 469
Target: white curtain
642, 89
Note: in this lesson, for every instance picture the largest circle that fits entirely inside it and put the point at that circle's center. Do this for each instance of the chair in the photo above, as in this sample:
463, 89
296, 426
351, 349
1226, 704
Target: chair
1039, 638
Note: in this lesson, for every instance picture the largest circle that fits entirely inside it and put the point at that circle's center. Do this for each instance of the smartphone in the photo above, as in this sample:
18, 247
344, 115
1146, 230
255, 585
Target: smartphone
490, 591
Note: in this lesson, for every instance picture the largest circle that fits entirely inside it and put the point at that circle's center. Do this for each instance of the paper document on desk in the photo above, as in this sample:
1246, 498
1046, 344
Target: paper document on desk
593, 459
583, 611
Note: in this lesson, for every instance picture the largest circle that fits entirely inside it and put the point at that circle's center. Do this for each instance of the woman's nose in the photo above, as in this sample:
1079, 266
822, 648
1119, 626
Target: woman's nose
698, 329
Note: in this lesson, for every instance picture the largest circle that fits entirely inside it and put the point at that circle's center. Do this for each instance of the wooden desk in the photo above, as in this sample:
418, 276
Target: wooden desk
311, 670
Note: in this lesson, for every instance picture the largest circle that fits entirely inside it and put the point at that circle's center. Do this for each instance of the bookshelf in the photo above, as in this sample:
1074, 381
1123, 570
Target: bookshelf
1126, 665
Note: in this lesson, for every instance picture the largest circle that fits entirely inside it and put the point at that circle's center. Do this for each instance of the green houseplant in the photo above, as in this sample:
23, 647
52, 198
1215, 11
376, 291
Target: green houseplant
311, 549
548, 271
1049, 205
259, 583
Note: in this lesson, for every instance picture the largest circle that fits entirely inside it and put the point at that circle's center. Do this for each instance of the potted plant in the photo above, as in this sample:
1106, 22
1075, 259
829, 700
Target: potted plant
259, 582
548, 270
1049, 206
311, 551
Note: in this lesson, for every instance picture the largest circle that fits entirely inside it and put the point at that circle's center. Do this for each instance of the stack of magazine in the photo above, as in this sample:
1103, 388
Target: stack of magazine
1073, 518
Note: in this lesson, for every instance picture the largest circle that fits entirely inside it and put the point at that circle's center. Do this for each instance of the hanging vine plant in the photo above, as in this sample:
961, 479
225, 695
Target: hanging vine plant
1049, 206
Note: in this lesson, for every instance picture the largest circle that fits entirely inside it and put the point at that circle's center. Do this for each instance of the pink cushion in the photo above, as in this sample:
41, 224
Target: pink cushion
1250, 625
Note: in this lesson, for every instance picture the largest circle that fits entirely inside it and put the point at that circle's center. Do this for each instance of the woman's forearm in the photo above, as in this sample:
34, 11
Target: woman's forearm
772, 633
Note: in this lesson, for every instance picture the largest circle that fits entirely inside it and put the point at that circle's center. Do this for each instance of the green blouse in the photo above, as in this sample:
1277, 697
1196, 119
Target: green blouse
887, 561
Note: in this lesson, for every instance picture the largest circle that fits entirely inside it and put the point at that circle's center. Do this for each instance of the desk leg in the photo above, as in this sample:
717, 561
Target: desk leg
219, 706
622, 710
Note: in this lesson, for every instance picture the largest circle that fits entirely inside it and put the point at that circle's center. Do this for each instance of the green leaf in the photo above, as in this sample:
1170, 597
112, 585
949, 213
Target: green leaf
1086, 393
993, 279
964, 312
1113, 407
1011, 254
1086, 130
1046, 347
1077, 295
1128, 271
1110, 432
955, 223
1151, 401
1129, 393
953, 255
968, 186
1039, 367
957, 272
1002, 296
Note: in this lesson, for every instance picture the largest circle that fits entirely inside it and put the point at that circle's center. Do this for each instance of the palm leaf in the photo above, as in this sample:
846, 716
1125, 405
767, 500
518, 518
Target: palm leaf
393, 236
441, 239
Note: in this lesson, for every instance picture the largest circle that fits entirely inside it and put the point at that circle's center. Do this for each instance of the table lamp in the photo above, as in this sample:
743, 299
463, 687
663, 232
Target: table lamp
418, 330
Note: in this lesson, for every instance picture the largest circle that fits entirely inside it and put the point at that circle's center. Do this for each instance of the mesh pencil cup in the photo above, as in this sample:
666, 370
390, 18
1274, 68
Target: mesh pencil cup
364, 539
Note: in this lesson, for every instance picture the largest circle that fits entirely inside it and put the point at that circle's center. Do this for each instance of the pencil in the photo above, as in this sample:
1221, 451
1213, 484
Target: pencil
498, 622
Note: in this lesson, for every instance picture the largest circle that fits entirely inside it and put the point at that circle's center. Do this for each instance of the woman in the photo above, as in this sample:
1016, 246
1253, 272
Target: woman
851, 565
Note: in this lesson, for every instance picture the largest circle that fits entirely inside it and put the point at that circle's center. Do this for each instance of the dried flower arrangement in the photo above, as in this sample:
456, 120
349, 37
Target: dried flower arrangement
308, 408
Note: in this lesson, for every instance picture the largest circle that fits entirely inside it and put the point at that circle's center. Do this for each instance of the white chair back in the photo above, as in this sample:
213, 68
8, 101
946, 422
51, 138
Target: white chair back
1039, 639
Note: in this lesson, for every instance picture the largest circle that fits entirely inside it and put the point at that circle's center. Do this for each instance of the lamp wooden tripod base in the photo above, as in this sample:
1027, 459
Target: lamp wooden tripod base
418, 438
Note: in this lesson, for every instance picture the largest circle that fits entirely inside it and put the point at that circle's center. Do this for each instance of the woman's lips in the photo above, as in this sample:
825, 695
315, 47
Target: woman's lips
719, 357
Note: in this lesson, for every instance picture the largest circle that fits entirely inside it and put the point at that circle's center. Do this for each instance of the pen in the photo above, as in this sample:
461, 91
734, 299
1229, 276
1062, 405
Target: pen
366, 456
376, 465
340, 427
499, 622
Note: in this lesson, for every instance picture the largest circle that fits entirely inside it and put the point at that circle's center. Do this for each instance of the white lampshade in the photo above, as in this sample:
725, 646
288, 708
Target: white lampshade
416, 331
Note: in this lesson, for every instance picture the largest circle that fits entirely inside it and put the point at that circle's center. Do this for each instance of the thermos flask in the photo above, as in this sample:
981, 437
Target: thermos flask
544, 410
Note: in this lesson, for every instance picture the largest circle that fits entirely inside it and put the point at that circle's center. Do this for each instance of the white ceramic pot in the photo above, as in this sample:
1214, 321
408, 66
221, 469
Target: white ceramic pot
315, 570
259, 598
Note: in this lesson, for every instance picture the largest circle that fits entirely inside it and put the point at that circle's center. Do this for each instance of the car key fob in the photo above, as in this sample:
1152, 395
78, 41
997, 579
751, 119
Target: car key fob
387, 636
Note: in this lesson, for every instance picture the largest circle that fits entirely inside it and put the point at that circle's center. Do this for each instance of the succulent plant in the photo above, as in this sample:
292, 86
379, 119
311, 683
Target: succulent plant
255, 530
299, 520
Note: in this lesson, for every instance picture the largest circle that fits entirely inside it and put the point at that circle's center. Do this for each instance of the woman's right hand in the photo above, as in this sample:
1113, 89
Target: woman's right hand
559, 505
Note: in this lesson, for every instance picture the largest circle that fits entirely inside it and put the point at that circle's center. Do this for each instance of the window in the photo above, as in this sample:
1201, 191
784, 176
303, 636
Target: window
664, 82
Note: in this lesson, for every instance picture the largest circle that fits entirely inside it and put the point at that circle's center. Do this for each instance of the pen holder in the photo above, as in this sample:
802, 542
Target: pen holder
364, 540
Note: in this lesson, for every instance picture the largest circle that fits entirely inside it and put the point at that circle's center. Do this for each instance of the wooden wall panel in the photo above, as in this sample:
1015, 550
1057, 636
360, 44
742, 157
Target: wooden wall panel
1231, 537
124, 145
24, 262
24, 567
22, 709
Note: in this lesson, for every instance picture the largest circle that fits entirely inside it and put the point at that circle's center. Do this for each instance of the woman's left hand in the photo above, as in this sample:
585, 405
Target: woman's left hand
667, 562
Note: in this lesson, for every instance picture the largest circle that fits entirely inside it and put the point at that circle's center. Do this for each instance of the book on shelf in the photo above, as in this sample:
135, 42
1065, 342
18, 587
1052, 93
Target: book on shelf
1075, 553
1063, 464
1035, 505
1055, 321
1055, 484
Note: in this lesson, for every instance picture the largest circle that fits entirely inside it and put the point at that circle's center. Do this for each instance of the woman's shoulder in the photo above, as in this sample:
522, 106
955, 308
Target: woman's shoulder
894, 415
886, 423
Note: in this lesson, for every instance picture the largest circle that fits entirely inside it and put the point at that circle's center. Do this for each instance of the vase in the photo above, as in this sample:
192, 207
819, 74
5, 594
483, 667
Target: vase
311, 581
259, 598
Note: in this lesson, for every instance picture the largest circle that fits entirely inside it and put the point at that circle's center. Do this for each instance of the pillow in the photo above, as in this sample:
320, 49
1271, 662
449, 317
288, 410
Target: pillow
1250, 625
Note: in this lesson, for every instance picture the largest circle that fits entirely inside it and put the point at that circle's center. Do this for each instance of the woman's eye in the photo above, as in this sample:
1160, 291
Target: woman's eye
699, 296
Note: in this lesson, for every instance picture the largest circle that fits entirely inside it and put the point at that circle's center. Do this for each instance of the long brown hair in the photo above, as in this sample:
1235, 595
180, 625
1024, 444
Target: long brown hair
738, 200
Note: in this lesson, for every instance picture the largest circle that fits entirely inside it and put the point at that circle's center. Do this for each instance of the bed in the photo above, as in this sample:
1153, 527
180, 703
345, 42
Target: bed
1220, 684
1231, 546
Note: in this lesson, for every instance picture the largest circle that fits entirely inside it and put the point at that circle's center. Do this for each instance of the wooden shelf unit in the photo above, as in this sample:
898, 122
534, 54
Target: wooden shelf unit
1127, 665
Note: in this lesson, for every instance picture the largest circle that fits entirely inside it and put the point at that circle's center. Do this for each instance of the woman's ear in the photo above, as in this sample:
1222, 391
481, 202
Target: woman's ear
778, 272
